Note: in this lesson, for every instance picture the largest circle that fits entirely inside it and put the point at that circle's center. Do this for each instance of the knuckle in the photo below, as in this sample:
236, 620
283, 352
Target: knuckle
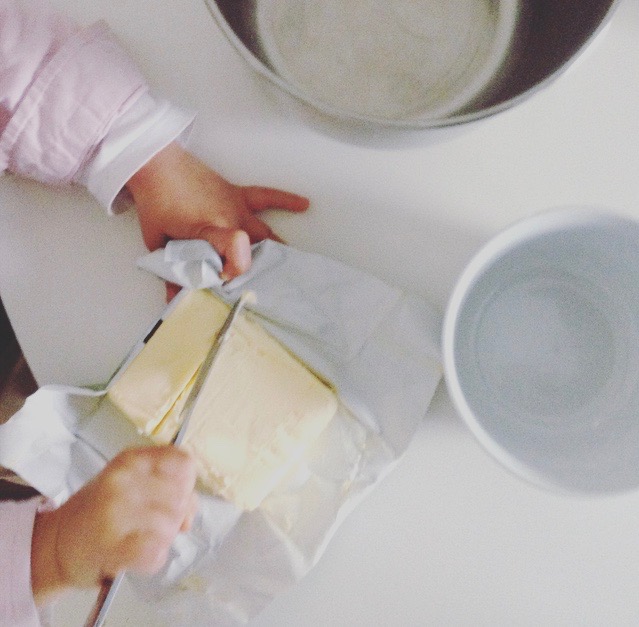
157, 560
137, 460
149, 556
114, 484
175, 464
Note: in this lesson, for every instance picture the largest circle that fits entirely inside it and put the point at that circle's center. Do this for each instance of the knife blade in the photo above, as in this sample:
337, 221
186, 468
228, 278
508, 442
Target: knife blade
207, 364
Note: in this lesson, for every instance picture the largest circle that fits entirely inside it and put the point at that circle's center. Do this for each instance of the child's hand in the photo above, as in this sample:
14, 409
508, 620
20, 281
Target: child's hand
179, 197
124, 519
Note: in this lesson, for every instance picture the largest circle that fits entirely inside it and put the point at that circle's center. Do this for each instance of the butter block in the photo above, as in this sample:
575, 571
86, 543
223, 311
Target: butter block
258, 413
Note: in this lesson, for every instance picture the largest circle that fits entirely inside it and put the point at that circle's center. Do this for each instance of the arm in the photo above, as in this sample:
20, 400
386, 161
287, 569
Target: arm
63, 92
17, 605
126, 518
74, 108
61, 88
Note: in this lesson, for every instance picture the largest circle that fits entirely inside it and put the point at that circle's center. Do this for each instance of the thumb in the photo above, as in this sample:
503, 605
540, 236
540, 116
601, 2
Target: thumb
234, 247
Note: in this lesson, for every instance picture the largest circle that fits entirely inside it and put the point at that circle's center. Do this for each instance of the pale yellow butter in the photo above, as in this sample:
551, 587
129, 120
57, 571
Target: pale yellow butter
158, 374
259, 412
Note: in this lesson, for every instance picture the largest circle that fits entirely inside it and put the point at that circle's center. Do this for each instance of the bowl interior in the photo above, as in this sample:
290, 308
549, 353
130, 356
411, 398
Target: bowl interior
543, 351
532, 42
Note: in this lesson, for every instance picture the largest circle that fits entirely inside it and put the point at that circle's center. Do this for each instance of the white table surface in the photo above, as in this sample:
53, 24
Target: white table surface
449, 537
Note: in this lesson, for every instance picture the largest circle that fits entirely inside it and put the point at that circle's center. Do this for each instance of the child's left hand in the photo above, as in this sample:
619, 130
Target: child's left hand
179, 197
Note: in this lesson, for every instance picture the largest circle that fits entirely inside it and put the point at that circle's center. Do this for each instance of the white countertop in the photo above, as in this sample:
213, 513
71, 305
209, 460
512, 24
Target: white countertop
449, 537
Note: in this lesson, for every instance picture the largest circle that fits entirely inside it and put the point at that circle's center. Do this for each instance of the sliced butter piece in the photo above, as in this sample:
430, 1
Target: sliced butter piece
158, 374
257, 415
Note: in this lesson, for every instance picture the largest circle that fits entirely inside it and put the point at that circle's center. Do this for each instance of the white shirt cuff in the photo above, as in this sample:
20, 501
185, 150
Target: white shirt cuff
147, 127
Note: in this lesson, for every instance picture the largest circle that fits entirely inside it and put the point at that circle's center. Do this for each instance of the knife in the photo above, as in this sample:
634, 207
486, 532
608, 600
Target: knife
109, 587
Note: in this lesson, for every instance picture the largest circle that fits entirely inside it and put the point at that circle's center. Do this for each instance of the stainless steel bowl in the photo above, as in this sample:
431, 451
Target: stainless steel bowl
543, 38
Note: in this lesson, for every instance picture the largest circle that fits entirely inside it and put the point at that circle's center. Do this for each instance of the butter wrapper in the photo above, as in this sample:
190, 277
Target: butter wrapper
378, 346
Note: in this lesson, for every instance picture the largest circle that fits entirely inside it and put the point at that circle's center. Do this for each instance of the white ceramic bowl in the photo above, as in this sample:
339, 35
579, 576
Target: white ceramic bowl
541, 349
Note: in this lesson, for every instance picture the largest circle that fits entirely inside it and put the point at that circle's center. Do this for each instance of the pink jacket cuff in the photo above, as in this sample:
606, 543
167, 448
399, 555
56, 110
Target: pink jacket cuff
69, 107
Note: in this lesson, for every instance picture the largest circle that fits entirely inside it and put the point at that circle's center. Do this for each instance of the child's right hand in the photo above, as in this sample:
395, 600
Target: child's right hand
124, 519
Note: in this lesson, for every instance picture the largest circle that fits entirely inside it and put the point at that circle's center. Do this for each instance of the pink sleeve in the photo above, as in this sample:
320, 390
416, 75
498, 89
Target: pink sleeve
16, 599
61, 87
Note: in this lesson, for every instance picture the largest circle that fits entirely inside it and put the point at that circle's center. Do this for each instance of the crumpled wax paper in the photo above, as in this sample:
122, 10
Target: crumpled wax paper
377, 345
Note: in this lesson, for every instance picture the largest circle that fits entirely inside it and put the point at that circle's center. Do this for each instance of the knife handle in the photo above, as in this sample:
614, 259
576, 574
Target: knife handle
105, 597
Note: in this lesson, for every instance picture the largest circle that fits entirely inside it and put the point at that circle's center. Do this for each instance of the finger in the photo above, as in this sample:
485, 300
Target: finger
172, 291
192, 510
234, 246
263, 198
258, 230
144, 552
136, 551
155, 561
